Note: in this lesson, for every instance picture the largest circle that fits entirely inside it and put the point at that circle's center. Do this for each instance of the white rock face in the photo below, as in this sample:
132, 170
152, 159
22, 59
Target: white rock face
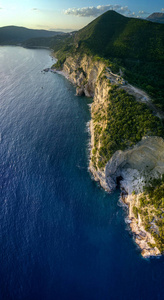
137, 165
84, 73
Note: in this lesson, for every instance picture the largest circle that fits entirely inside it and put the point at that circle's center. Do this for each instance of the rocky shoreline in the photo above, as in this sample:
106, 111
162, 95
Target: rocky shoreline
131, 184
133, 166
141, 237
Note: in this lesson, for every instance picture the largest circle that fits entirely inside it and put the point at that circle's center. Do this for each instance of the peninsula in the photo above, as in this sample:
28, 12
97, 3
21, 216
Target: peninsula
118, 61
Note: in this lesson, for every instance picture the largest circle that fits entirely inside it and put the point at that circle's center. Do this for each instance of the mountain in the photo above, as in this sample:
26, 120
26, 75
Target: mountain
126, 127
134, 45
156, 17
114, 35
55, 42
14, 34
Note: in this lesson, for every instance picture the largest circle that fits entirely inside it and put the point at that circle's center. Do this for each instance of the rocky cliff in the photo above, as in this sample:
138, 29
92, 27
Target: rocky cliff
134, 167
84, 73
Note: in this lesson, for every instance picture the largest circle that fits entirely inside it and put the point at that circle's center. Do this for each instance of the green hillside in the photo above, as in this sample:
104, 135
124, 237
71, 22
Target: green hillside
56, 42
113, 35
137, 46
13, 34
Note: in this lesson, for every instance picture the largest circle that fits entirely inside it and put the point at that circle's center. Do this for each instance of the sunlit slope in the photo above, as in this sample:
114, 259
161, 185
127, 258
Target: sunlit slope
114, 35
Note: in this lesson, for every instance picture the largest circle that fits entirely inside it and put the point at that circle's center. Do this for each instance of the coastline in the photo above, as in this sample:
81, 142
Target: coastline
98, 90
141, 237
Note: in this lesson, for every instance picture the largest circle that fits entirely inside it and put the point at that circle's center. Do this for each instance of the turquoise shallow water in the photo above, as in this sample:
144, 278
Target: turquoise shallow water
61, 236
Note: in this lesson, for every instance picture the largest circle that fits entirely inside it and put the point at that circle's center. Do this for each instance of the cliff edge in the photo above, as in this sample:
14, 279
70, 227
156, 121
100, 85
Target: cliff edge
139, 157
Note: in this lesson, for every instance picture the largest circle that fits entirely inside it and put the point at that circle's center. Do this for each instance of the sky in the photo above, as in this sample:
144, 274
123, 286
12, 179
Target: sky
68, 15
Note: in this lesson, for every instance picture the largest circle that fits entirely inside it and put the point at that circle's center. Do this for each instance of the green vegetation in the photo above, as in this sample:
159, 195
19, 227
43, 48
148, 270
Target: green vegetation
12, 35
135, 211
151, 210
136, 46
56, 42
113, 35
63, 49
149, 76
127, 121
58, 65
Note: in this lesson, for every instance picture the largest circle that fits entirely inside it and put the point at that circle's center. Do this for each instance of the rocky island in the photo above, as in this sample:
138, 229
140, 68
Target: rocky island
127, 145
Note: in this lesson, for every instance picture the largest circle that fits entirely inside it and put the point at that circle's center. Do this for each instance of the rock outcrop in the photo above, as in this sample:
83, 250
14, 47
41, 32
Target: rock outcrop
135, 166
84, 73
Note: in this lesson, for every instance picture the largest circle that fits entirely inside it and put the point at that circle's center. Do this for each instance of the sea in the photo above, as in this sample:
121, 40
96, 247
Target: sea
62, 236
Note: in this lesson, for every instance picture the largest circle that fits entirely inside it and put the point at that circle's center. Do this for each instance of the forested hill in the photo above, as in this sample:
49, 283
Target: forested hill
56, 42
113, 35
15, 34
135, 45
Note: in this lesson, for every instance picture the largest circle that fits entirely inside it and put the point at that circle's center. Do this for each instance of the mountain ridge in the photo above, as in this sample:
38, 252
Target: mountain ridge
117, 34
156, 17
134, 45
18, 34
126, 131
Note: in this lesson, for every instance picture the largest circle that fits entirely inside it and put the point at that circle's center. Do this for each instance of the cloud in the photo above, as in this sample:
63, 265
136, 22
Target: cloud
142, 12
124, 9
93, 11
162, 9
131, 14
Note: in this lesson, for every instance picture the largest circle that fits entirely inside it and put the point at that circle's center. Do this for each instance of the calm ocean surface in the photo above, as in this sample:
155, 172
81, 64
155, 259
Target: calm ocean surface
61, 236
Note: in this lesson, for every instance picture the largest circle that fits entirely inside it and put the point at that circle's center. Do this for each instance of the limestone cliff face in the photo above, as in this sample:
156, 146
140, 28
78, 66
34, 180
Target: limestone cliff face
84, 73
90, 80
136, 165
144, 160
143, 238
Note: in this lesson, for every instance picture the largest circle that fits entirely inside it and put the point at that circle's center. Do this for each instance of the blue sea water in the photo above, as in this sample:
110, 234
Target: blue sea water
61, 236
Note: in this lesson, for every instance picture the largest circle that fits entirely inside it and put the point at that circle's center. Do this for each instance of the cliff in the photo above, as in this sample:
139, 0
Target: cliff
135, 166
84, 73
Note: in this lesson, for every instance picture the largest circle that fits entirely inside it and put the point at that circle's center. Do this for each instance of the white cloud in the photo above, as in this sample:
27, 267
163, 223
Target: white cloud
131, 14
124, 9
142, 12
93, 11
162, 9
